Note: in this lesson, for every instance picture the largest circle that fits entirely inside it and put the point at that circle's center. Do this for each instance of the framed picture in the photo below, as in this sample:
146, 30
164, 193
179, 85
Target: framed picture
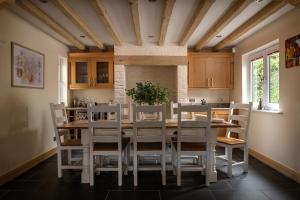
292, 52
27, 67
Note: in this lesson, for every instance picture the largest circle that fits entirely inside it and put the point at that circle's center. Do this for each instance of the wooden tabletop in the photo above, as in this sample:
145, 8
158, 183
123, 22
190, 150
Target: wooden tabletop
126, 124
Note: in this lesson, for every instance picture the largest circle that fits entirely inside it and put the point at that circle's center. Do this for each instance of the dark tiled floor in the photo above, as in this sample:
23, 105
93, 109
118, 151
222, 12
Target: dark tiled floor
261, 182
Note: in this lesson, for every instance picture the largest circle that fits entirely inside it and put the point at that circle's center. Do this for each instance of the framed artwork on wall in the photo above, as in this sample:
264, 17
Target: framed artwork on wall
27, 67
292, 52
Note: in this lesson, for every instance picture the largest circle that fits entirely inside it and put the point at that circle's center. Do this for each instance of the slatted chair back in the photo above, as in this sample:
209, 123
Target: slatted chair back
240, 113
201, 126
59, 117
105, 130
174, 107
126, 113
149, 130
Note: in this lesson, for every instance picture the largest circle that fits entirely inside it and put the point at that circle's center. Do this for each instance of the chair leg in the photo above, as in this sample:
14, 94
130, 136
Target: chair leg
173, 158
91, 169
246, 158
178, 169
163, 164
69, 157
120, 171
126, 160
206, 171
59, 163
135, 175
229, 161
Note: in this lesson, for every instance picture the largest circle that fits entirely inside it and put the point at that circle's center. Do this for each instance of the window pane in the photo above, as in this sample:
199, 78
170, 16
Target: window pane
257, 79
274, 78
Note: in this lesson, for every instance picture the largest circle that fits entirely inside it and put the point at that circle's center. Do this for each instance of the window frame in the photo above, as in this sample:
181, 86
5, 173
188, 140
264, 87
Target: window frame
266, 87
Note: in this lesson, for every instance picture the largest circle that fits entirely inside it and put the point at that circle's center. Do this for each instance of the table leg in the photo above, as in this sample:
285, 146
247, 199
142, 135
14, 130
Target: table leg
212, 158
85, 175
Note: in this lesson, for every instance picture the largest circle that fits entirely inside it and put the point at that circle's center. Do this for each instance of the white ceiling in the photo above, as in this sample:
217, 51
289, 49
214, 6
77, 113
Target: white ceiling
150, 20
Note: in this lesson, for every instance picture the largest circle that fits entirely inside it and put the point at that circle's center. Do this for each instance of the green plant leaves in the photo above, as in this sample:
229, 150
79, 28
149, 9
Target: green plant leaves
149, 93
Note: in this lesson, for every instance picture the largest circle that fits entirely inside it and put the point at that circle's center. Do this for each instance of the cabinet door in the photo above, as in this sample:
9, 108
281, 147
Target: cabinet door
197, 72
80, 73
102, 73
219, 72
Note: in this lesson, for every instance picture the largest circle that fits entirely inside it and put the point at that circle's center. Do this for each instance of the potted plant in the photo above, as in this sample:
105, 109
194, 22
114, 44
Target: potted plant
148, 93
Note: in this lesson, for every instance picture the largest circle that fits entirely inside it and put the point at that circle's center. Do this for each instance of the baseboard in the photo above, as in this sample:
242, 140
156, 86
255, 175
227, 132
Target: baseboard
26, 166
276, 165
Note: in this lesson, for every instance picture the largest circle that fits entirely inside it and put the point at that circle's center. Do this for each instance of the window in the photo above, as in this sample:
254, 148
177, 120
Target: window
63, 80
264, 67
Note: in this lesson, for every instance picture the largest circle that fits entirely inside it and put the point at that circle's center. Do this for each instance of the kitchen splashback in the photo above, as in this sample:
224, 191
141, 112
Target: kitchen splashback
165, 76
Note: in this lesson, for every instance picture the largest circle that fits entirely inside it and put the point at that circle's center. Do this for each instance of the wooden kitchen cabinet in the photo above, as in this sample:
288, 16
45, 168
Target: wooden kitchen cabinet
91, 70
210, 70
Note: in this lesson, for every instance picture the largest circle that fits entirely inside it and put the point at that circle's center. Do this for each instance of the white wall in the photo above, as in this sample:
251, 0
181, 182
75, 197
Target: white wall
276, 136
25, 124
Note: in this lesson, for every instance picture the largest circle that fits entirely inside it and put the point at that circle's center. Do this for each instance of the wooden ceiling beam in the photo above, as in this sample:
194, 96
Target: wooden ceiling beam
134, 5
264, 13
4, 3
102, 13
37, 12
235, 9
167, 12
199, 14
71, 14
295, 3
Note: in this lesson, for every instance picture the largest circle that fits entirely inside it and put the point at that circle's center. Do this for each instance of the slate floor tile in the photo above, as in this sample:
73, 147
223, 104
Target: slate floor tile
282, 194
239, 195
133, 195
187, 194
260, 183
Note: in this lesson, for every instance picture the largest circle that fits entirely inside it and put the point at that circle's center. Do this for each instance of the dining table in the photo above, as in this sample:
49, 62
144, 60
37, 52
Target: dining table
127, 128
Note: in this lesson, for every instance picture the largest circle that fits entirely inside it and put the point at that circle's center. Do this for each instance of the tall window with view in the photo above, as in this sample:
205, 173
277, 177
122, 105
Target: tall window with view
273, 77
257, 79
265, 78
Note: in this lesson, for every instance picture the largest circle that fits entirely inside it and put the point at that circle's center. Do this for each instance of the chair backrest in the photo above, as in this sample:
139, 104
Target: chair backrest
59, 117
195, 129
126, 111
105, 130
239, 113
149, 130
174, 110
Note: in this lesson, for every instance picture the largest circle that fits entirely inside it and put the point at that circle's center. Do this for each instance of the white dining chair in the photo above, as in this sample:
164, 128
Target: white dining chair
126, 112
64, 140
238, 113
106, 139
149, 138
192, 140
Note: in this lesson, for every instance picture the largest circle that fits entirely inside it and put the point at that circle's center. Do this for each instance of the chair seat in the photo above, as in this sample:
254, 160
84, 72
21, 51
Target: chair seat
110, 146
73, 142
230, 140
149, 146
192, 146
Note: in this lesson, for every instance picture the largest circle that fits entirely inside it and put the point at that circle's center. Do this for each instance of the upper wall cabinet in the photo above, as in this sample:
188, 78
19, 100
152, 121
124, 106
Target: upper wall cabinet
210, 70
91, 70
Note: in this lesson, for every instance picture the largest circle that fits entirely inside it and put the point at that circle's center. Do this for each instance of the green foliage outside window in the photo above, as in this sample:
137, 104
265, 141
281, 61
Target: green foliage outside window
258, 79
274, 78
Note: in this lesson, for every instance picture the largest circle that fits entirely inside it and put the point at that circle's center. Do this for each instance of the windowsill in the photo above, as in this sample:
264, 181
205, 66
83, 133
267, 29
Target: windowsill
269, 111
